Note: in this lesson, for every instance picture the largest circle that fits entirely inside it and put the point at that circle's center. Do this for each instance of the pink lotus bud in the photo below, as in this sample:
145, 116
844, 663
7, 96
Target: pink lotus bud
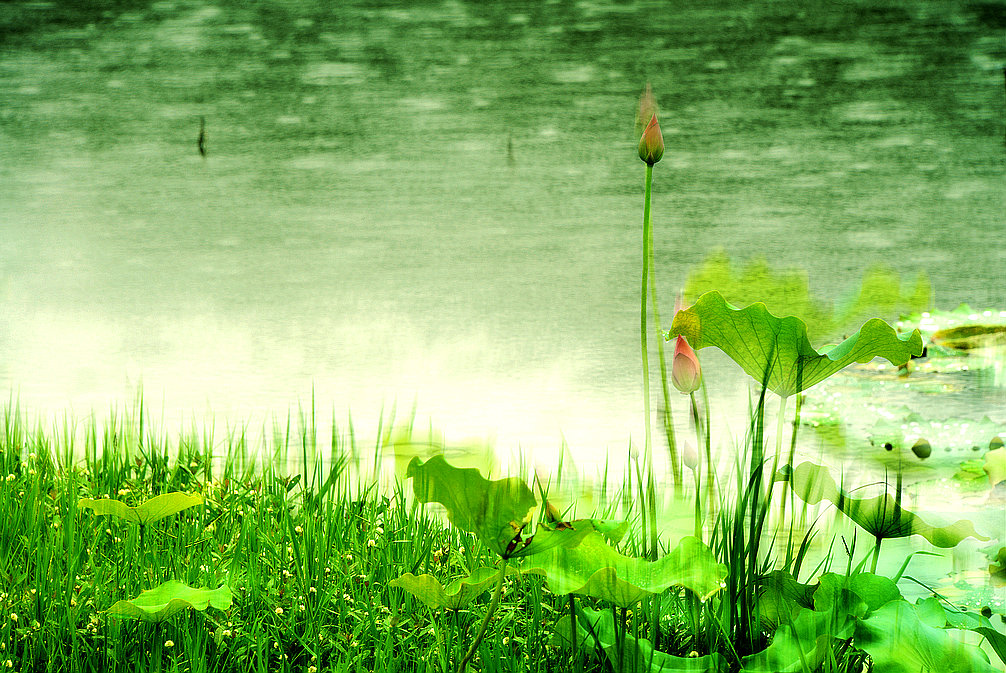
685, 371
691, 456
651, 145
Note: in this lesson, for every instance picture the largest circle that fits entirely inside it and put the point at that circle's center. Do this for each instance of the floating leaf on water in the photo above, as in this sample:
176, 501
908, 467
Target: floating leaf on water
164, 601
995, 443
155, 508
970, 337
776, 350
882, 516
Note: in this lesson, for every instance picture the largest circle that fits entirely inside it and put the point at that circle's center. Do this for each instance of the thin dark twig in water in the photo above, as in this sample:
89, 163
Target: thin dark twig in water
202, 137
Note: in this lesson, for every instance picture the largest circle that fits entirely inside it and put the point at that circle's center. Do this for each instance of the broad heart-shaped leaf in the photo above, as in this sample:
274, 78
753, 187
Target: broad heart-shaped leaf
776, 351
164, 601
593, 568
498, 512
456, 595
899, 642
881, 516
638, 655
158, 507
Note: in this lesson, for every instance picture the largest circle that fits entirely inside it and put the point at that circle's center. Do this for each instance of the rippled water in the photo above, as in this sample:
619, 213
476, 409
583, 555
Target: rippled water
441, 204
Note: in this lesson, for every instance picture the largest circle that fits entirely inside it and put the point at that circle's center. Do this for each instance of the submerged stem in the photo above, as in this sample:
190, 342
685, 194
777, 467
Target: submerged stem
493, 604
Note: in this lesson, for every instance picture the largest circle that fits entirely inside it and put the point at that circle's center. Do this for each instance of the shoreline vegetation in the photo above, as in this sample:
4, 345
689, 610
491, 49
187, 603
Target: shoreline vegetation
317, 564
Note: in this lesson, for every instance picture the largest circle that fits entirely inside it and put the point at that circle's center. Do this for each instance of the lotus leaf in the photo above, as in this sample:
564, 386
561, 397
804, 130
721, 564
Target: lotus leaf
498, 512
638, 655
776, 350
154, 509
941, 616
166, 600
458, 593
881, 516
898, 641
995, 465
594, 568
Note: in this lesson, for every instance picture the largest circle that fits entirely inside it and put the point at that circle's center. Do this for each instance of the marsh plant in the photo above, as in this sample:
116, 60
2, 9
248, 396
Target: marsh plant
215, 557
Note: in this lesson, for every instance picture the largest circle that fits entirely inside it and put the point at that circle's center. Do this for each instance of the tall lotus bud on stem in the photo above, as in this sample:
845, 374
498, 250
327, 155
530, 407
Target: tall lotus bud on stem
685, 371
651, 145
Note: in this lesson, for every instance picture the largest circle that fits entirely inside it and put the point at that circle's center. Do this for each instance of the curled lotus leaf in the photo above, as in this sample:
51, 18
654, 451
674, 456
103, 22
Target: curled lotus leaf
498, 512
154, 509
455, 595
881, 516
776, 351
594, 568
168, 599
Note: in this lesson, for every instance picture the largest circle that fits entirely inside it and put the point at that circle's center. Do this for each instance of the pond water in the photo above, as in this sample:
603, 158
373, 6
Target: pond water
439, 206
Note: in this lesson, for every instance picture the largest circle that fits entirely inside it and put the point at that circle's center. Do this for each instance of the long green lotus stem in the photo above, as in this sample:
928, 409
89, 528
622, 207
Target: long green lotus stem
648, 445
489, 613
672, 447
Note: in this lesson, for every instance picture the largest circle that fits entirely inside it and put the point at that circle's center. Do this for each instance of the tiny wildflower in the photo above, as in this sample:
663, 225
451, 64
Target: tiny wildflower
13, 616
169, 644
279, 611
298, 530
371, 544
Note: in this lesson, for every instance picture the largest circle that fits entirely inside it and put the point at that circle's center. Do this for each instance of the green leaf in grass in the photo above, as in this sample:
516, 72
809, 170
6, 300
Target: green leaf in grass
155, 508
498, 512
164, 601
776, 350
455, 596
594, 568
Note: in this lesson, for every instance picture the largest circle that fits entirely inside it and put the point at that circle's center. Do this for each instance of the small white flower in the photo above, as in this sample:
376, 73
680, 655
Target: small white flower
13, 616
226, 633
169, 644
298, 530
279, 611
371, 544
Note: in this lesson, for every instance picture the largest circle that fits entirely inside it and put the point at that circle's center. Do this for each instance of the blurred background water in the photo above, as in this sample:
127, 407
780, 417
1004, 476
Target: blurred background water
439, 203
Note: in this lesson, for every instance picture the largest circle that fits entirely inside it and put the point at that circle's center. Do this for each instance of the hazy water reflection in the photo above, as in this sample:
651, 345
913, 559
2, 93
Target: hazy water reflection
441, 203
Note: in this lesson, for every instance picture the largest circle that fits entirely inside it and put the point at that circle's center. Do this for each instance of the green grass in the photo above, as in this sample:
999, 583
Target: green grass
309, 554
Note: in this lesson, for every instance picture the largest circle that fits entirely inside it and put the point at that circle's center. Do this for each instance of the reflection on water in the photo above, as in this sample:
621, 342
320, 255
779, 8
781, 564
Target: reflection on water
441, 203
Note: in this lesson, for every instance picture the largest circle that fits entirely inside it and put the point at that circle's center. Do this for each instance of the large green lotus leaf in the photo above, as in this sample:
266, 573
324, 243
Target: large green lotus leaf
880, 516
782, 597
158, 507
776, 350
456, 595
638, 655
940, 616
874, 590
800, 645
498, 512
594, 568
166, 600
995, 465
899, 642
